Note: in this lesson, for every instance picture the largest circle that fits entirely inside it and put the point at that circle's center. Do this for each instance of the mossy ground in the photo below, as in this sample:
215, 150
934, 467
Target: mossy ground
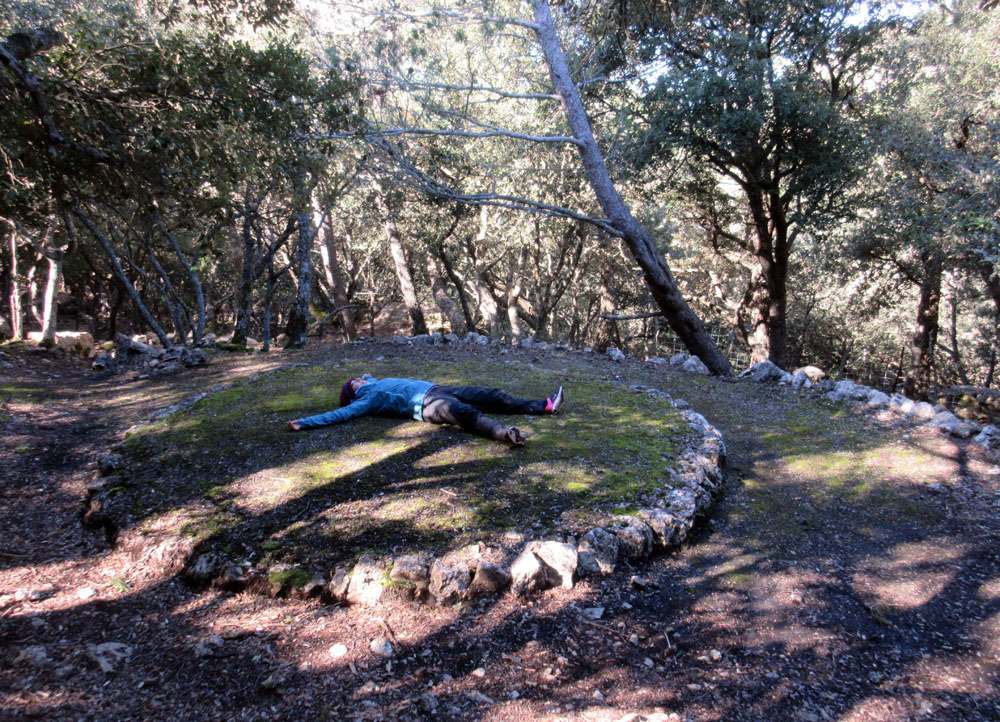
228, 472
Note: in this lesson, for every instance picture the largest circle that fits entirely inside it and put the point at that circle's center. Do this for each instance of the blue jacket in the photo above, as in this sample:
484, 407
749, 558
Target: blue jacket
387, 396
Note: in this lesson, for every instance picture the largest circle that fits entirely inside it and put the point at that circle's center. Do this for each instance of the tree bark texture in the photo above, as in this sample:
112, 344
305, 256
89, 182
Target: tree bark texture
16, 312
298, 318
606, 333
657, 274
198, 328
244, 294
918, 375
762, 317
334, 276
402, 265
449, 306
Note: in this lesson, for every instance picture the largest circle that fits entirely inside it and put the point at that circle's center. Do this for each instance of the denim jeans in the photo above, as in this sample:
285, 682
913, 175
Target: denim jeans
464, 406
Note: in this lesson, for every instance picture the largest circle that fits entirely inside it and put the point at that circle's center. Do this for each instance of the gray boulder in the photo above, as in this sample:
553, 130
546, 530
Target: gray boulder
615, 354
877, 399
365, 587
598, 552
449, 582
635, 536
489, 579
562, 558
678, 359
921, 411
813, 373
694, 365
988, 438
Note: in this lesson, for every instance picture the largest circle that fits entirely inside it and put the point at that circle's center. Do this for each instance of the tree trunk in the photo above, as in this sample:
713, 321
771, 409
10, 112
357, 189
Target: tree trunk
606, 333
449, 307
401, 263
123, 279
992, 281
335, 277
198, 328
459, 288
762, 316
49, 311
16, 312
298, 318
658, 276
918, 375
514, 287
244, 295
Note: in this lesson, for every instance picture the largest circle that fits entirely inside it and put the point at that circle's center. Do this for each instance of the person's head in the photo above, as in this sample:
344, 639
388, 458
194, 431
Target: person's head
350, 389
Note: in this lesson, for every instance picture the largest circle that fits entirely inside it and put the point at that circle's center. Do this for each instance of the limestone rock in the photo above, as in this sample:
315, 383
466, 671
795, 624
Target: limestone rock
365, 587
413, 570
656, 361
108, 464
901, 404
340, 580
668, 530
847, 390
801, 380
635, 536
489, 579
767, 372
678, 359
813, 373
530, 574
561, 557
598, 552
615, 354
694, 365
921, 411
449, 582
988, 438
877, 399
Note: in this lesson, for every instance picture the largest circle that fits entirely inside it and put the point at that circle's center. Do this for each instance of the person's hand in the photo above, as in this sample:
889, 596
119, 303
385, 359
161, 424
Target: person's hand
294, 425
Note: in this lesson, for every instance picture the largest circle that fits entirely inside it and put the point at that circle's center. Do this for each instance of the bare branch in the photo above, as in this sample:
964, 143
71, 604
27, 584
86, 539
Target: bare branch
20, 46
474, 134
633, 317
482, 89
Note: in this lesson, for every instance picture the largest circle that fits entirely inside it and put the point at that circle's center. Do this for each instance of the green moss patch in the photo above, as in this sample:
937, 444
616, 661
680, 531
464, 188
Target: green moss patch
236, 479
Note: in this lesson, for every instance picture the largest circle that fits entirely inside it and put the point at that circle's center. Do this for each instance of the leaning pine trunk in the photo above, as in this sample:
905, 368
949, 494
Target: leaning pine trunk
658, 276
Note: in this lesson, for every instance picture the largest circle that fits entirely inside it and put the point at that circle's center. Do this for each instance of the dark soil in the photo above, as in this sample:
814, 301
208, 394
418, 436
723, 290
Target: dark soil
849, 573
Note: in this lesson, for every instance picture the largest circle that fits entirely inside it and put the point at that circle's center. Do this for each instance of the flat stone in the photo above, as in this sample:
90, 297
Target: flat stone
365, 587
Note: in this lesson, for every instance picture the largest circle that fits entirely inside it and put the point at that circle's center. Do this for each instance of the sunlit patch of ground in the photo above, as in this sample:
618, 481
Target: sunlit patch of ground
911, 575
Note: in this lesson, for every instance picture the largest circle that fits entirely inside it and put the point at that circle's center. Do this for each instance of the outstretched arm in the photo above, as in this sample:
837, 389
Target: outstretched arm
360, 407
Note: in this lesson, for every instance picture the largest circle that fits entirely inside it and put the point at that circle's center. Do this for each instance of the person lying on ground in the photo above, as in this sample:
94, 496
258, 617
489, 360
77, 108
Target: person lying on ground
425, 401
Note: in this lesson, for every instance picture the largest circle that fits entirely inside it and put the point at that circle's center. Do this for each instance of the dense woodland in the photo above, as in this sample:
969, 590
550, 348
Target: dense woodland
805, 181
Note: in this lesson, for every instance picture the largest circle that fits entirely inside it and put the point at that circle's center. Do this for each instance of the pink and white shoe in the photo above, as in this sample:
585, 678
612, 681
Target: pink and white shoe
552, 405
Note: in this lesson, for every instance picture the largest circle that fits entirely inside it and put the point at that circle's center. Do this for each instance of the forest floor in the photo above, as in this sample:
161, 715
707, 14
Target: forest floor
849, 572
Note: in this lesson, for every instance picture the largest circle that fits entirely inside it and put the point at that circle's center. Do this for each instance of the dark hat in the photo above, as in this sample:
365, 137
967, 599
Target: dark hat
346, 393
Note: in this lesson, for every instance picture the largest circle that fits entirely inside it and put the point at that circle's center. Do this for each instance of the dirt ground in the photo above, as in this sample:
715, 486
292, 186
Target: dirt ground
850, 572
